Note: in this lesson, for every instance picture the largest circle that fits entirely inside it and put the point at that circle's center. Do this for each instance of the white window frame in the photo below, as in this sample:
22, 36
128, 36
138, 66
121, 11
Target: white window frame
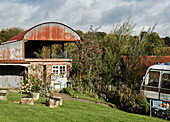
57, 70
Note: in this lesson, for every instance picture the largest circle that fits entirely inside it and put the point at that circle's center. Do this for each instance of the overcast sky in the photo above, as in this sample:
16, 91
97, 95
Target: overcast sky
80, 14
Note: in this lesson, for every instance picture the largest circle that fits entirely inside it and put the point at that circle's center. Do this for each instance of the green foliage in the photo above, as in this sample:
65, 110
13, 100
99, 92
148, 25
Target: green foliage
49, 51
68, 91
154, 44
43, 53
117, 58
72, 51
6, 34
124, 57
33, 83
141, 100
167, 41
166, 51
55, 49
129, 101
91, 63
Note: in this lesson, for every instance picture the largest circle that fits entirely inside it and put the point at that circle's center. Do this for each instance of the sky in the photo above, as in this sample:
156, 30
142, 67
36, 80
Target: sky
81, 14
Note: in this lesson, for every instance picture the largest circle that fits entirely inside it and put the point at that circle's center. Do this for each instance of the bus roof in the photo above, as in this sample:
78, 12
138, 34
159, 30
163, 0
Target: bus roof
162, 66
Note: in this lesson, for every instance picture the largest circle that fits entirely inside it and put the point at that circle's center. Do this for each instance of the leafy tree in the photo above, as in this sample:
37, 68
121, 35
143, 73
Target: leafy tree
167, 41
56, 49
6, 34
91, 64
154, 44
124, 56
43, 53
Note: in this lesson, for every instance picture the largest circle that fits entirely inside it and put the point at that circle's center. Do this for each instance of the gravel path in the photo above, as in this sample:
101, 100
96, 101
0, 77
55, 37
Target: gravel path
65, 96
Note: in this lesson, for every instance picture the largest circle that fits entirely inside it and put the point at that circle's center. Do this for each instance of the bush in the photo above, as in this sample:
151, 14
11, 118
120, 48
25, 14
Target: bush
68, 91
128, 101
142, 101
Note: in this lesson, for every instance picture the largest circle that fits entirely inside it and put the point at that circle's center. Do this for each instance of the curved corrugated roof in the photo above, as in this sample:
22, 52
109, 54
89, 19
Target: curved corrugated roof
19, 36
48, 31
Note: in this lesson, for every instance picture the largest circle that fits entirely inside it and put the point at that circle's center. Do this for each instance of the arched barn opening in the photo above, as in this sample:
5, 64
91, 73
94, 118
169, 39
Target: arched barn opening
40, 47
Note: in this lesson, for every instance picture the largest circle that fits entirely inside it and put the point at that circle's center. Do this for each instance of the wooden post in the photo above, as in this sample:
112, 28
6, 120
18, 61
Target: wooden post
150, 108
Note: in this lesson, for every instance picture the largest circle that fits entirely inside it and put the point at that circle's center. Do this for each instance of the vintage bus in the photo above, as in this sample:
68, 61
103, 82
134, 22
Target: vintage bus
156, 82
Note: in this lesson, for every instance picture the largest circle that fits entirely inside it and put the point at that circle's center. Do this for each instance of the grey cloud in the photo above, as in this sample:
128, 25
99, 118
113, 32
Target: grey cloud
81, 14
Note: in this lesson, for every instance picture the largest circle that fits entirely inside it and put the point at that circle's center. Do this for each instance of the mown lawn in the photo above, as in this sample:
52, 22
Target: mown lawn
72, 110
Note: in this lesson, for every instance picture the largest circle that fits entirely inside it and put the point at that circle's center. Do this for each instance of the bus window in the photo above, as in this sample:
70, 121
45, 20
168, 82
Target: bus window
153, 78
166, 81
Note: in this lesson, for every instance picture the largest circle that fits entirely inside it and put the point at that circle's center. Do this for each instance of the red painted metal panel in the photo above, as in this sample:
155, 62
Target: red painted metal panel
11, 51
51, 32
48, 31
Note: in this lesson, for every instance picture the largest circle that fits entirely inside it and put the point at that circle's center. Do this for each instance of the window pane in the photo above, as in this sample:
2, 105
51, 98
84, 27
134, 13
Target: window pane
166, 81
64, 68
153, 78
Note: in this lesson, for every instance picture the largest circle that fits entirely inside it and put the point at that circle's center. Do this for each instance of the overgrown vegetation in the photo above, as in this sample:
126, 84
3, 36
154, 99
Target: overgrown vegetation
6, 34
128, 100
54, 51
34, 83
118, 60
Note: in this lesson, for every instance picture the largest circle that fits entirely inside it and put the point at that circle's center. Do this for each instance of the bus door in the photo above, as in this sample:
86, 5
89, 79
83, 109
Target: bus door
151, 84
165, 86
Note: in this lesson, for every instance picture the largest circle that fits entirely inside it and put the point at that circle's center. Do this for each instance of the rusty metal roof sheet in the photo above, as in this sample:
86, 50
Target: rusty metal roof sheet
13, 62
49, 31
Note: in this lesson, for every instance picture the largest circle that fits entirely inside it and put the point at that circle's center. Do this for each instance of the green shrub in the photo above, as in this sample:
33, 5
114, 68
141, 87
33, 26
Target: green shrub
142, 101
129, 101
68, 91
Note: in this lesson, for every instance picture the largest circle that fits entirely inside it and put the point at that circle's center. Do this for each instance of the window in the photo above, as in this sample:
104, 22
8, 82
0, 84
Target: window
153, 78
59, 70
166, 81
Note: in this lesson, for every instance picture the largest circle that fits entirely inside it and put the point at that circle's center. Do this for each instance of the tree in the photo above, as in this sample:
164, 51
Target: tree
90, 63
154, 44
167, 41
6, 34
43, 53
124, 55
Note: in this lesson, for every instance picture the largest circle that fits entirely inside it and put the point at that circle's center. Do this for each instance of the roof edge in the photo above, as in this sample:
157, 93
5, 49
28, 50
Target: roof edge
21, 35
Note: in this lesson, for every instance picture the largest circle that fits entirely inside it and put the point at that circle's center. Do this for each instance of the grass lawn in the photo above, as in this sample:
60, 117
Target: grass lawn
72, 110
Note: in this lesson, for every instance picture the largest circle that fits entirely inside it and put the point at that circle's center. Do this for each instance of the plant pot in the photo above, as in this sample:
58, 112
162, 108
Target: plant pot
54, 101
27, 100
35, 96
3, 94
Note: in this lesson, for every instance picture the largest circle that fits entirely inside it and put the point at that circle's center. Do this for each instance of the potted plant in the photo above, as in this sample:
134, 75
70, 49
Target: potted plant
34, 85
35, 88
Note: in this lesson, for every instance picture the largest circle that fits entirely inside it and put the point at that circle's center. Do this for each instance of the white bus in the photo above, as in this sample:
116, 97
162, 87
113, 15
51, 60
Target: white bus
156, 82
